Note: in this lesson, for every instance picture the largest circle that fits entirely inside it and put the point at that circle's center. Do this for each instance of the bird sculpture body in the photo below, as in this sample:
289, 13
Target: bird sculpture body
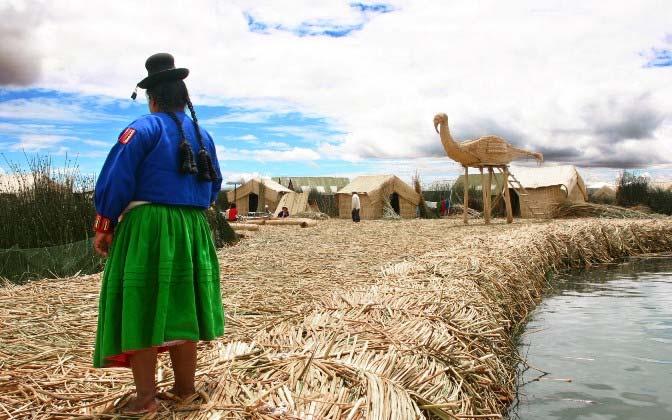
483, 151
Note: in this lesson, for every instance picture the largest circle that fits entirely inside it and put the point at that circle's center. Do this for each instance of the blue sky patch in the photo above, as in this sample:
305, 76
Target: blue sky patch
659, 58
372, 7
248, 140
322, 27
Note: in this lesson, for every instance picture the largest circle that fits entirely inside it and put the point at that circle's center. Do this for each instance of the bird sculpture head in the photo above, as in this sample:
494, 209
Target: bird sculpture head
440, 119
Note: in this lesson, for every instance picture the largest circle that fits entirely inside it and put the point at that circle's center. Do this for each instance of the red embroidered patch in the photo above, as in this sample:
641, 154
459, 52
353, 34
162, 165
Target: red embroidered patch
127, 135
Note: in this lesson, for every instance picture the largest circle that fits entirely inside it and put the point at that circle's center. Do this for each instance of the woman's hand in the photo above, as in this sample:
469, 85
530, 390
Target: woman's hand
102, 242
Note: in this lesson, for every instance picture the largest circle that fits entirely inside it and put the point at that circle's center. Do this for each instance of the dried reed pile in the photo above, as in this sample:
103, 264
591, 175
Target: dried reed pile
351, 321
570, 209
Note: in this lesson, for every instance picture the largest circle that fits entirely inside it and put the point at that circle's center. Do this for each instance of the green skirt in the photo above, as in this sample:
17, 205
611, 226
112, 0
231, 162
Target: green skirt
160, 285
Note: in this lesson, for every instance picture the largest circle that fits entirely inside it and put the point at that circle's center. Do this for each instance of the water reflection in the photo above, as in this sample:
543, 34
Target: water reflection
609, 331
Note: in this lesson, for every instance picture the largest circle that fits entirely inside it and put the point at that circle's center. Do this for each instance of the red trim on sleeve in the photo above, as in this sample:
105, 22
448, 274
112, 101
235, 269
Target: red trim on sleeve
102, 224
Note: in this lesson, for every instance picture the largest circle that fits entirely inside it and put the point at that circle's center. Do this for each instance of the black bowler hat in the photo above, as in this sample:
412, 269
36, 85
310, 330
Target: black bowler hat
160, 68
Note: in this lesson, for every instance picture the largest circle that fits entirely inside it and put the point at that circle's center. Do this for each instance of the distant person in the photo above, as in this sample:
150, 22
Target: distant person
283, 213
161, 286
232, 213
356, 206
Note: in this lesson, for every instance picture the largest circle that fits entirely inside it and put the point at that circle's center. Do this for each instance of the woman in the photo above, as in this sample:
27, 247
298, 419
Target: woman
232, 214
160, 287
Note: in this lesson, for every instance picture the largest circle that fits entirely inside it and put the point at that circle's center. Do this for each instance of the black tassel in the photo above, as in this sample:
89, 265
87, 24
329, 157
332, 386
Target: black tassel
135, 93
205, 169
213, 174
187, 164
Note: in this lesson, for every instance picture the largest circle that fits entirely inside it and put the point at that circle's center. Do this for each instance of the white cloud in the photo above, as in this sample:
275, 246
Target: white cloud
295, 154
534, 69
98, 143
309, 133
38, 142
276, 145
240, 117
50, 109
248, 137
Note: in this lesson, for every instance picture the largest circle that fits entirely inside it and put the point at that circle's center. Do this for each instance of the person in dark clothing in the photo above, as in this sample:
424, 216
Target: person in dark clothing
283, 213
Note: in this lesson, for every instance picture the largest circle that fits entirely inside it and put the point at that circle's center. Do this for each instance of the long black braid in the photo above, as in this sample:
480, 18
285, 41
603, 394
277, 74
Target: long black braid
206, 171
174, 95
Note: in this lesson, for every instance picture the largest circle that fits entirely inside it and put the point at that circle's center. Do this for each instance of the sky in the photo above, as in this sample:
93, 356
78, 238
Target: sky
305, 87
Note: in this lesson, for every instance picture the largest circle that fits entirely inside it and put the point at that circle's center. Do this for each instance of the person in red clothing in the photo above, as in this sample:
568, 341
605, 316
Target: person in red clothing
232, 213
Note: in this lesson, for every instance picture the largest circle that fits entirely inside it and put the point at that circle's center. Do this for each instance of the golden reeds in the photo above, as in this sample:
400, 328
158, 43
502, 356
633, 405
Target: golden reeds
377, 320
570, 209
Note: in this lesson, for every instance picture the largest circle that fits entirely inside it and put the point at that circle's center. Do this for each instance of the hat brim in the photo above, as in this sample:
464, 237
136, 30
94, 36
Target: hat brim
163, 76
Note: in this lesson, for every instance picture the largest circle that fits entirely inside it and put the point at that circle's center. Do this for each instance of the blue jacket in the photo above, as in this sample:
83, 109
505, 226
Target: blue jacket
143, 166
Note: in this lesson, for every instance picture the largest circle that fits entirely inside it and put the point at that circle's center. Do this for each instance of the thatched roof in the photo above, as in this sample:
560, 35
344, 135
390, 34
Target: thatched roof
322, 184
271, 189
375, 185
604, 194
295, 203
549, 176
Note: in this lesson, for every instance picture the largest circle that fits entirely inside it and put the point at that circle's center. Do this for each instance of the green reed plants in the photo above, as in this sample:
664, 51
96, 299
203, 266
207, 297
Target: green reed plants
44, 206
636, 190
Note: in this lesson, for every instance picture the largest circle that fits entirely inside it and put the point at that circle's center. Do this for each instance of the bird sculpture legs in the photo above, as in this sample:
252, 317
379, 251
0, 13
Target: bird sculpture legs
465, 185
486, 185
507, 195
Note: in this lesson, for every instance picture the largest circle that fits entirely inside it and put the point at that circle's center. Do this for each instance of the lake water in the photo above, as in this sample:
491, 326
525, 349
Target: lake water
609, 331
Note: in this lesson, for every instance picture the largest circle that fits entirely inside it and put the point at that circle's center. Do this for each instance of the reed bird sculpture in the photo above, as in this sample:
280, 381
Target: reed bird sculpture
484, 152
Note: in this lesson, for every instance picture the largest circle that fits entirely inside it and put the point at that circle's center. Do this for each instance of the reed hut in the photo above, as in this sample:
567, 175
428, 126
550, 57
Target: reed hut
321, 184
602, 195
374, 191
255, 194
545, 187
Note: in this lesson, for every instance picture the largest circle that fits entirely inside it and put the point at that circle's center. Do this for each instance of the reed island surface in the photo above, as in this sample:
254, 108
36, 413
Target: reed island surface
377, 320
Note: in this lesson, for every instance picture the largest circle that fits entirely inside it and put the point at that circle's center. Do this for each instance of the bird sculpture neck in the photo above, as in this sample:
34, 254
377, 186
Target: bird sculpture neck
451, 147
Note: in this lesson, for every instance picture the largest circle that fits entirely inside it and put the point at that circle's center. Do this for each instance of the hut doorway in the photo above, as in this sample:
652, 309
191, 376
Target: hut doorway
394, 202
253, 202
515, 202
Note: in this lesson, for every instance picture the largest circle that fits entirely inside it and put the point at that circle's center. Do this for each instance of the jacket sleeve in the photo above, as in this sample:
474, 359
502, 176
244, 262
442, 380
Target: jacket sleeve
216, 184
116, 183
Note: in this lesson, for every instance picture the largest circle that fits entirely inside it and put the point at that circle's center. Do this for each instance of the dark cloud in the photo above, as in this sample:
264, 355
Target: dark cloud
623, 161
560, 154
19, 60
621, 119
607, 124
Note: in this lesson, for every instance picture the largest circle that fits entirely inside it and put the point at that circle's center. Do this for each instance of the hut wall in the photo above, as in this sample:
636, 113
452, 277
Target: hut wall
242, 204
407, 209
372, 210
542, 200
576, 196
344, 204
369, 210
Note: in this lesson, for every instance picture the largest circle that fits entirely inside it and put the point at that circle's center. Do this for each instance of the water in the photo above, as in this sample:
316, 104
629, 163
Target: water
608, 330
